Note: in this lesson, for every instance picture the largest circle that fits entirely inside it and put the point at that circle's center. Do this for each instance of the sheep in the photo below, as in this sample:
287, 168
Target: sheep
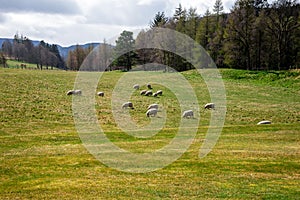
136, 87
143, 92
74, 92
70, 92
127, 105
159, 92
188, 114
209, 106
101, 94
152, 106
149, 86
264, 122
149, 93
151, 112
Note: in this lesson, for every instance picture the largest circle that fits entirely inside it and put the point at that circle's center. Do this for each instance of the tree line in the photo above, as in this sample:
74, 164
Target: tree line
254, 35
23, 49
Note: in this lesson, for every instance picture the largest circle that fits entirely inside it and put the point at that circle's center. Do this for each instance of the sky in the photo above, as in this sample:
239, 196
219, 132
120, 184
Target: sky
68, 22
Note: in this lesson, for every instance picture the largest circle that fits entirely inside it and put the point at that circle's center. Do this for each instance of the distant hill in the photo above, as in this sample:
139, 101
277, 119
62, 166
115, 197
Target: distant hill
65, 50
62, 50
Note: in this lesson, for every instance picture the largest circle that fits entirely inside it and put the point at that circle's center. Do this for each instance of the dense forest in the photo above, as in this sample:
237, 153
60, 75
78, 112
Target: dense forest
255, 35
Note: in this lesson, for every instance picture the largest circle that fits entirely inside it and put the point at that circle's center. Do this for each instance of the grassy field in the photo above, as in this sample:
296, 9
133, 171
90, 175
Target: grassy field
42, 156
17, 65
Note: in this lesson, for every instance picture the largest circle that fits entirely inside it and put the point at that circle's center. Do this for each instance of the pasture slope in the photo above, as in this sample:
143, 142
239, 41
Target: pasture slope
42, 156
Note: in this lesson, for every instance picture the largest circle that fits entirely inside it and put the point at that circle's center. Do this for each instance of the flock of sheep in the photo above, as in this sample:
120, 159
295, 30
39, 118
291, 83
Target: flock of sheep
153, 108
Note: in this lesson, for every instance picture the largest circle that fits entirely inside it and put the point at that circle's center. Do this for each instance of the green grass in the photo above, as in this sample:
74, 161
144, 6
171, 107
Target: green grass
14, 64
42, 156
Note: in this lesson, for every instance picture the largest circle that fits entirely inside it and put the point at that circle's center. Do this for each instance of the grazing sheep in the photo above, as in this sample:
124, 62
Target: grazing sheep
209, 106
136, 87
70, 92
74, 92
149, 93
264, 122
159, 92
101, 94
149, 86
127, 105
188, 114
151, 112
153, 106
143, 92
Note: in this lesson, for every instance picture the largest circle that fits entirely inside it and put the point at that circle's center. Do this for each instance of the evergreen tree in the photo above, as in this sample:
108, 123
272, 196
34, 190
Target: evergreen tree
218, 10
180, 18
192, 23
204, 30
159, 20
124, 50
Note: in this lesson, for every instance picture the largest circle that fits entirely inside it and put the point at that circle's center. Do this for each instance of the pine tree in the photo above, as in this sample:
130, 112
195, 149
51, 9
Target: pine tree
204, 30
218, 10
159, 20
124, 50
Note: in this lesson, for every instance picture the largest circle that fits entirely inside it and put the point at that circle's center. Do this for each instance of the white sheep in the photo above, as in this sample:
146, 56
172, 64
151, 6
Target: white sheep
155, 94
136, 87
74, 92
143, 92
127, 105
101, 94
264, 122
151, 112
188, 114
149, 93
153, 106
209, 106
70, 92
159, 92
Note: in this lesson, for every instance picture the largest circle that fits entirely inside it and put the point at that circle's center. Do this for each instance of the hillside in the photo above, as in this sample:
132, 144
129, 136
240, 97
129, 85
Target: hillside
43, 157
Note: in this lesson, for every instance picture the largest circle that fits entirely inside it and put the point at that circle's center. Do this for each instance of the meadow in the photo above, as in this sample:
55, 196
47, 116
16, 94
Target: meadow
42, 155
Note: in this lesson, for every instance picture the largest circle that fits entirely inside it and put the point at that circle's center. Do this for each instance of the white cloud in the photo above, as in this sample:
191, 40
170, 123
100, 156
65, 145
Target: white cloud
69, 22
3, 18
129, 13
146, 2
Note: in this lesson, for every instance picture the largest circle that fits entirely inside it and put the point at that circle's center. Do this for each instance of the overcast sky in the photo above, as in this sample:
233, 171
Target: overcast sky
68, 22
